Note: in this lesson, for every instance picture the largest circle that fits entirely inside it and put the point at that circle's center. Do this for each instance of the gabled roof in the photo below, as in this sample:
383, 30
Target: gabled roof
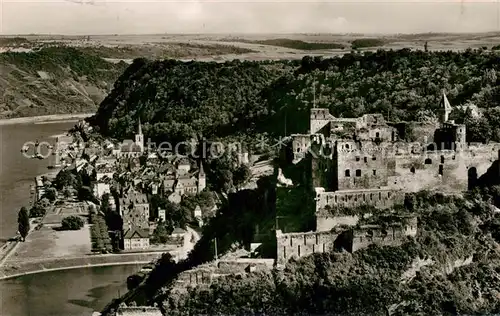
136, 233
184, 161
186, 182
129, 145
179, 230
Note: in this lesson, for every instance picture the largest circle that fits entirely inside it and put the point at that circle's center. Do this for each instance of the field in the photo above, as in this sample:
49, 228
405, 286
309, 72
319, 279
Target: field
62, 81
48, 243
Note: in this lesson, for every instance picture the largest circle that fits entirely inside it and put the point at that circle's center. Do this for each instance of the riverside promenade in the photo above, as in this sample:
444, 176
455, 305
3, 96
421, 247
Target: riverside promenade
12, 269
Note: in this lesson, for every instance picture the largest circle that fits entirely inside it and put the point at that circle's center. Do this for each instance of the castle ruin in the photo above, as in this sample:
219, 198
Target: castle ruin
367, 161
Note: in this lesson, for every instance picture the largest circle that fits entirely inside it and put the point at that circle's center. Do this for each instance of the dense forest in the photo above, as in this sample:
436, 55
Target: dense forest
179, 100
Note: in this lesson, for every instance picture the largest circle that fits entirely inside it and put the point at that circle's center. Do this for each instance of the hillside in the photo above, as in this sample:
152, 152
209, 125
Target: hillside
55, 77
450, 268
54, 81
220, 99
177, 99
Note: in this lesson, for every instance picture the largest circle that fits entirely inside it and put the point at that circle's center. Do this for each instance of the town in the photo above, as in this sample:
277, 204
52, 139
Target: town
140, 202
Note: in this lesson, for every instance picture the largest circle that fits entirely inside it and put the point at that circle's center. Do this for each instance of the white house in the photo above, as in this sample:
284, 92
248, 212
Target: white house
161, 215
101, 188
136, 238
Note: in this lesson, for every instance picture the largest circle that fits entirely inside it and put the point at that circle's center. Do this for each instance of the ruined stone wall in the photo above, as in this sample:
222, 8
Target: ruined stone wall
300, 145
319, 118
421, 132
139, 311
392, 236
241, 265
325, 223
363, 167
379, 198
297, 245
447, 171
205, 274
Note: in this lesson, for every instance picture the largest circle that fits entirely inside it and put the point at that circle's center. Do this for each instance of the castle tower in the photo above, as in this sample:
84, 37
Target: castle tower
319, 118
446, 111
460, 137
202, 179
139, 138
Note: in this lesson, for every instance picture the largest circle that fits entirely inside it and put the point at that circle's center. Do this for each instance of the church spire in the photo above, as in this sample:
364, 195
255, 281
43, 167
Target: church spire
201, 173
139, 129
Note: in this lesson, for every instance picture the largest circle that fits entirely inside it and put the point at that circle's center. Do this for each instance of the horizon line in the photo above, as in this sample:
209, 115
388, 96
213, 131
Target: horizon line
252, 33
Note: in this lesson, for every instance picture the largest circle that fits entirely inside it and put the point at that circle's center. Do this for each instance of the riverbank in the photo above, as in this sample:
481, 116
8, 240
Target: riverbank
13, 269
55, 118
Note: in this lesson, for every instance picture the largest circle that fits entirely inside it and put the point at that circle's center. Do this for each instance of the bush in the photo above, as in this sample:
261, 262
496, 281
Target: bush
72, 223
37, 211
99, 234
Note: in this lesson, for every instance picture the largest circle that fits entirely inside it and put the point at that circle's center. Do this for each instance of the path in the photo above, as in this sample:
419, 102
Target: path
190, 240
13, 248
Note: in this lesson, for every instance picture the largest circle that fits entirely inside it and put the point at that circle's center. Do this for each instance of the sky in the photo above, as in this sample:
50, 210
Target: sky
93, 17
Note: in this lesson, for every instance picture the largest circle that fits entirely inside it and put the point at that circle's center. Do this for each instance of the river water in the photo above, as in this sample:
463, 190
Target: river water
61, 293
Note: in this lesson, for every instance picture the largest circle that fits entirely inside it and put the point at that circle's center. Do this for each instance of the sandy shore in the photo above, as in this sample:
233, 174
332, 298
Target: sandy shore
56, 118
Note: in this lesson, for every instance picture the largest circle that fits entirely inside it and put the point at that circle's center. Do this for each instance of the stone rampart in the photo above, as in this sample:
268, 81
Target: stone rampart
297, 245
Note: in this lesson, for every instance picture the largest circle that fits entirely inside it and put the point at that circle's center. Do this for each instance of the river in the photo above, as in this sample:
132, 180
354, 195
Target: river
61, 293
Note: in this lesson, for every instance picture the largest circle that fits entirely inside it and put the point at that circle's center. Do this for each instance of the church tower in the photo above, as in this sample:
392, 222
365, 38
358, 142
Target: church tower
202, 179
139, 138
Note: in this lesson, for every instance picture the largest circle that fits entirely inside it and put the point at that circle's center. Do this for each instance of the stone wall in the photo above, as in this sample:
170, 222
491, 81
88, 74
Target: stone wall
297, 245
392, 236
446, 171
379, 198
205, 274
139, 311
325, 223
360, 166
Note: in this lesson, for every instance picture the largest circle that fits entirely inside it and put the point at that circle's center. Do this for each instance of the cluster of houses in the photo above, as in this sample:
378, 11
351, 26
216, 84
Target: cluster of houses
131, 175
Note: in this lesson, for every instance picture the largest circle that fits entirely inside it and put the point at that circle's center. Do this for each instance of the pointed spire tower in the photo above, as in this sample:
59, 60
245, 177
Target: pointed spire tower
139, 138
447, 108
202, 179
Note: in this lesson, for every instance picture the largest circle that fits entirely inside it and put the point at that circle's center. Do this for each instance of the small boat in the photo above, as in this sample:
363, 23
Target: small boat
37, 156
24, 149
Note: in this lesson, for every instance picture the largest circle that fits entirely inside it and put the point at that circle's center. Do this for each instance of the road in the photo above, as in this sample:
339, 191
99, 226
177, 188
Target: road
189, 241
12, 245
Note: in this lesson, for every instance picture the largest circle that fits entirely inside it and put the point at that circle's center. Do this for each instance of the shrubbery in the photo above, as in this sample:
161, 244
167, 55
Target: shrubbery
72, 223
99, 235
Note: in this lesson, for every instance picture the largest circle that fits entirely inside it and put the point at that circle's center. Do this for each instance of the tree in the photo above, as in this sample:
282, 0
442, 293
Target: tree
23, 221
67, 192
50, 194
105, 208
37, 211
65, 178
85, 194
241, 175
161, 233
72, 223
